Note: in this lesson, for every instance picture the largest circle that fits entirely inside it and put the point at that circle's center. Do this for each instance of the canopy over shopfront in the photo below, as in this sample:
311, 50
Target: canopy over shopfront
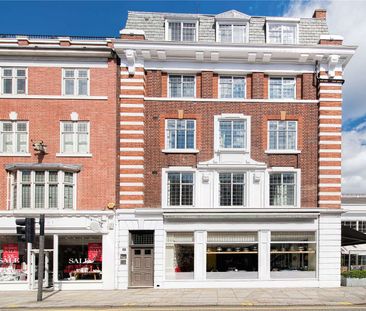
352, 237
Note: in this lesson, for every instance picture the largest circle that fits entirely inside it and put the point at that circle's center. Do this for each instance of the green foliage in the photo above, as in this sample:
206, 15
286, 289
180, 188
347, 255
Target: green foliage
356, 274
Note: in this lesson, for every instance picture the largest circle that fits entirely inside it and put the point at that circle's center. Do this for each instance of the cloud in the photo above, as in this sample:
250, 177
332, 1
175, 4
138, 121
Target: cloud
347, 18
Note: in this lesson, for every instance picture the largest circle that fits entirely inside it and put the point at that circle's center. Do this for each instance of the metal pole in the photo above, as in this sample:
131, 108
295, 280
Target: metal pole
41, 257
29, 260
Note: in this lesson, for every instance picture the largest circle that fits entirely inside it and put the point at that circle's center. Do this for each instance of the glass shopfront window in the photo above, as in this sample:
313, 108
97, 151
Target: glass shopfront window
179, 255
232, 255
80, 258
293, 255
13, 259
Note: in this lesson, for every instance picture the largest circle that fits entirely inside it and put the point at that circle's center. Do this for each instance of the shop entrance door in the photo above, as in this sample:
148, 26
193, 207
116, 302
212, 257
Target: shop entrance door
142, 259
48, 269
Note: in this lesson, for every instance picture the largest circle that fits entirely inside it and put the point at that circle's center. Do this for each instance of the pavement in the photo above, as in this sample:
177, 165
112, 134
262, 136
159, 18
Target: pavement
342, 297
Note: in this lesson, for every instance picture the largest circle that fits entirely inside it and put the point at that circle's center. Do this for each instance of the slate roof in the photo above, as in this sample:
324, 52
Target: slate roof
153, 24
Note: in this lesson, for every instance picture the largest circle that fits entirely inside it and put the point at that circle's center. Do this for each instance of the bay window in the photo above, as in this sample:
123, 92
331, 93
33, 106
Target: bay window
182, 86
282, 135
282, 189
13, 137
13, 81
232, 87
40, 189
282, 88
281, 33
293, 255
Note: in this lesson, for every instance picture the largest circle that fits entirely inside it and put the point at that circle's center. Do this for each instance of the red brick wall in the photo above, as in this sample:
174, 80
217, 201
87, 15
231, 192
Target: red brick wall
97, 179
155, 160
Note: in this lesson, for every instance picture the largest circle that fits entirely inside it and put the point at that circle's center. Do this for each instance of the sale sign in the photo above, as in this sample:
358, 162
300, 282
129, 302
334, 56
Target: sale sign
10, 253
95, 251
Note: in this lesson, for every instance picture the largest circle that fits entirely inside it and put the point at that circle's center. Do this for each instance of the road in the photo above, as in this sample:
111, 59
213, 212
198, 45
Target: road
208, 308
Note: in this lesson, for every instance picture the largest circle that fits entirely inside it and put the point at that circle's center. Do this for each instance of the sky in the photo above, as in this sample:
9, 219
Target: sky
106, 18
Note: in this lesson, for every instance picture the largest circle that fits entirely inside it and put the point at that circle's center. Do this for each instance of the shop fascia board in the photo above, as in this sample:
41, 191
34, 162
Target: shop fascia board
54, 213
274, 53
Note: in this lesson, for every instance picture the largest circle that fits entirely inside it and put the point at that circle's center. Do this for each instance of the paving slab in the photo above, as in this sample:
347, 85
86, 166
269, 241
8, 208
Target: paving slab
186, 297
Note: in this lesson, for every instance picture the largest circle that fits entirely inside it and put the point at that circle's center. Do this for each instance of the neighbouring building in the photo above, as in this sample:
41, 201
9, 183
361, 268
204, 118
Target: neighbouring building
230, 151
58, 149
354, 216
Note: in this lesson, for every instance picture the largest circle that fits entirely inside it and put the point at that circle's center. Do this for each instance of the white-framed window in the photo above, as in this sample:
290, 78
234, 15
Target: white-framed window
180, 134
282, 33
232, 87
181, 31
282, 135
13, 137
40, 189
180, 188
13, 81
233, 134
283, 188
75, 82
232, 189
182, 86
75, 137
282, 88
232, 33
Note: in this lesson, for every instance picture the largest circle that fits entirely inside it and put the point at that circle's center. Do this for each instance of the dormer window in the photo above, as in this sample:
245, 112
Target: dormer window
185, 31
282, 33
232, 33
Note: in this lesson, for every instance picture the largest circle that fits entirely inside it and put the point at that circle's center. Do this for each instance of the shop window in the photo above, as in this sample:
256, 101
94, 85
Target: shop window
80, 258
179, 256
293, 255
232, 255
13, 260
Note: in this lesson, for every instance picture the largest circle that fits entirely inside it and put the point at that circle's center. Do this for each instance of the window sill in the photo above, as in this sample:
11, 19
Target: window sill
180, 151
15, 154
74, 155
283, 151
233, 150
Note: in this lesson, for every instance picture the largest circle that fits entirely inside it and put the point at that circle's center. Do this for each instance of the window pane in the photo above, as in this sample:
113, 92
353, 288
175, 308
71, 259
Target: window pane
83, 87
225, 33
53, 196
26, 176
238, 134
189, 31
188, 86
238, 88
69, 87
190, 140
239, 33
20, 72
69, 177
289, 88
68, 196
26, 200
7, 142
175, 86
7, 86
69, 73
225, 189
274, 34
83, 143
39, 177
8, 72
68, 143
174, 31
289, 34
275, 88
39, 196
53, 177
225, 134
226, 87
20, 86
83, 73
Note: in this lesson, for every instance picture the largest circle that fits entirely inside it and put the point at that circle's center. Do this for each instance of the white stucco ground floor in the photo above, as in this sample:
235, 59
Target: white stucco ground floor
176, 248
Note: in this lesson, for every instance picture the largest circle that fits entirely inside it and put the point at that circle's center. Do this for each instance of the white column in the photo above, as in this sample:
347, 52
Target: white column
200, 239
264, 254
55, 259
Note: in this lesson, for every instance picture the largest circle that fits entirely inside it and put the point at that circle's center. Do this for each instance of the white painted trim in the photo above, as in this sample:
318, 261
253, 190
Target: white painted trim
131, 140
131, 193
26, 154
131, 114
138, 132
131, 149
292, 101
331, 108
63, 97
330, 117
330, 176
131, 123
329, 125
76, 81
330, 159
132, 96
131, 80
282, 151
233, 22
132, 87
330, 167
322, 99
330, 142
59, 62
331, 37
330, 84
169, 150
131, 184
232, 86
136, 166
330, 92
335, 184
131, 175
137, 32
329, 193
131, 105
329, 134
278, 150
137, 73
131, 157
137, 202
329, 202
281, 19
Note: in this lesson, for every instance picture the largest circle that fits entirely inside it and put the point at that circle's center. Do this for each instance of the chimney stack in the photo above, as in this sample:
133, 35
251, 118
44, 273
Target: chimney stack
320, 13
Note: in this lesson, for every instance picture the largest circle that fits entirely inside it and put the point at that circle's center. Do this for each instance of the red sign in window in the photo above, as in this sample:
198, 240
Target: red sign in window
10, 253
95, 251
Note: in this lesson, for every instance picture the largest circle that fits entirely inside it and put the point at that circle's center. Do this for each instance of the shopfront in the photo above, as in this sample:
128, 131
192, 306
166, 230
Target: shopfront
76, 256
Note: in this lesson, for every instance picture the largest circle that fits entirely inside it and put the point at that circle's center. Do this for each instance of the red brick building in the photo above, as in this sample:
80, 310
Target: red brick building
230, 159
58, 137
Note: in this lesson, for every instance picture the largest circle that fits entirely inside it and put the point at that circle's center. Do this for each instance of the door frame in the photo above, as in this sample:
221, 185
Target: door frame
133, 246
47, 254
